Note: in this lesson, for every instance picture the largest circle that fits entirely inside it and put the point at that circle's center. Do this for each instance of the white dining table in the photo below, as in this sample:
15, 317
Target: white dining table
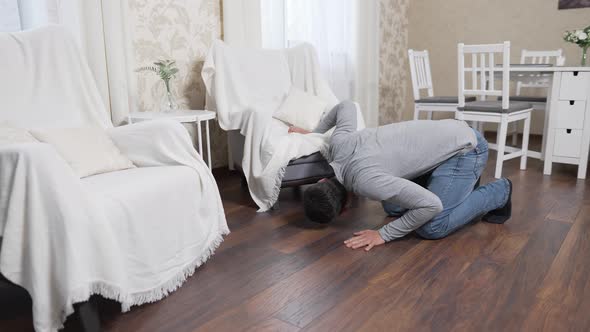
566, 134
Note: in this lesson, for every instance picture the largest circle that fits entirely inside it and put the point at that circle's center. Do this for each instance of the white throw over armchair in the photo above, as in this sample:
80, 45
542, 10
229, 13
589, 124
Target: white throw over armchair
133, 235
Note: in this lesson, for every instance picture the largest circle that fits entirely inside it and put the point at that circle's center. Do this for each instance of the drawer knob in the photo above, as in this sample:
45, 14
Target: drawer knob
569, 131
572, 102
576, 73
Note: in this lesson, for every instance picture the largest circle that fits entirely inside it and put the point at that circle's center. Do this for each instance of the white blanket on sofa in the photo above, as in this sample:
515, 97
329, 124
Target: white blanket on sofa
245, 87
132, 236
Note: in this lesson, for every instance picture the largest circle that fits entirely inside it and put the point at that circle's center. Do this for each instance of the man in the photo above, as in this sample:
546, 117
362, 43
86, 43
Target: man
378, 163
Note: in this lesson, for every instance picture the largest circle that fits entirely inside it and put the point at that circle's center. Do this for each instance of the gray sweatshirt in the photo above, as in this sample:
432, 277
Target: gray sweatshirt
378, 163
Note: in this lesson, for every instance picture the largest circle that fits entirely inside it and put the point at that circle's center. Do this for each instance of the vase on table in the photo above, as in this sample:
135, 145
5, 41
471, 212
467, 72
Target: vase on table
169, 103
580, 37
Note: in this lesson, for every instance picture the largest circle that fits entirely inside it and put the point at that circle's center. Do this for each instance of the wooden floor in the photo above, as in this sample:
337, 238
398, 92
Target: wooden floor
277, 272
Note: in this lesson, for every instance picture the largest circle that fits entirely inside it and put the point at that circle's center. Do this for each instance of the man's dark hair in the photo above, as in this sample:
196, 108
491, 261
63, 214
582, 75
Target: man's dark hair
324, 201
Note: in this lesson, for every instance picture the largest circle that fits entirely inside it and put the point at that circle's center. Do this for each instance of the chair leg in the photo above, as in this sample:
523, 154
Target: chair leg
416, 113
480, 127
88, 316
514, 133
429, 115
502, 133
525, 141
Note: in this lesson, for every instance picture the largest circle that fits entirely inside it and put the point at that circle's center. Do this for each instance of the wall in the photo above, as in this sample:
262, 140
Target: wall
182, 30
530, 24
393, 89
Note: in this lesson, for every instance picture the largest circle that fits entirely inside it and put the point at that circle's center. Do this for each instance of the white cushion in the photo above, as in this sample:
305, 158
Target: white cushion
301, 109
88, 150
11, 135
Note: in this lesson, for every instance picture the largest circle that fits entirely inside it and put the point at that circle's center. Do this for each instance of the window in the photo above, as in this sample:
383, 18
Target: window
18, 15
326, 24
9, 17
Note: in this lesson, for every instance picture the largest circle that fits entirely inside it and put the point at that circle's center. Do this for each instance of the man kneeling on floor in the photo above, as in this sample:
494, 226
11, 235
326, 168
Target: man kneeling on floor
378, 163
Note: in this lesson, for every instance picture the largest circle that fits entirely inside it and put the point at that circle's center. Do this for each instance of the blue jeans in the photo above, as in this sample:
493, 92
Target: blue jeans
453, 183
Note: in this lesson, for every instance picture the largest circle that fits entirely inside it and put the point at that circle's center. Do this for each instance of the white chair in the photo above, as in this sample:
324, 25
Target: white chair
539, 103
502, 112
422, 80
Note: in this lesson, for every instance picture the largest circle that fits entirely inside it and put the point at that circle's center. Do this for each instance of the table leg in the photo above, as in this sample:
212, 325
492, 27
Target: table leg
550, 118
200, 138
208, 144
548, 108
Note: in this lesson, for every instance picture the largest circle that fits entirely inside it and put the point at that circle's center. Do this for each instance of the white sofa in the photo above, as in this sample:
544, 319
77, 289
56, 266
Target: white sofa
133, 235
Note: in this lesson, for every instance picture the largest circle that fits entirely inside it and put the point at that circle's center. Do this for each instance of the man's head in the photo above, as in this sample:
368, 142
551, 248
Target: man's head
324, 200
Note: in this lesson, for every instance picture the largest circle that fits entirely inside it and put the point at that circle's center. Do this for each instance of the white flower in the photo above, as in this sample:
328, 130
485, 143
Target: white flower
581, 35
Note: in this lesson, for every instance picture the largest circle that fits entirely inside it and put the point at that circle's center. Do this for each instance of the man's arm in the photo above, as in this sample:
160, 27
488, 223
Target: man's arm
343, 116
422, 205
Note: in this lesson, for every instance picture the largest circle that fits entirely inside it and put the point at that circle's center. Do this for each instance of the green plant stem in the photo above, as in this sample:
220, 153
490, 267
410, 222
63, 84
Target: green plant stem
584, 54
167, 82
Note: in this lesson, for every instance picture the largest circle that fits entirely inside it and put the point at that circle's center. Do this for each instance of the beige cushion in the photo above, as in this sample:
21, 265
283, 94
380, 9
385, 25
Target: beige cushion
301, 109
88, 150
11, 135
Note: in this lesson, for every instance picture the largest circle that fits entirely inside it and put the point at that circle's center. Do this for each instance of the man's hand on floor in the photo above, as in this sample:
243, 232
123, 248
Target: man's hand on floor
366, 238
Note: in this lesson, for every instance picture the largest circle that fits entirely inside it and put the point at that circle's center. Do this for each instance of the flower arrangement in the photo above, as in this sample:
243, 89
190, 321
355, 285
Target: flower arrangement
167, 70
581, 38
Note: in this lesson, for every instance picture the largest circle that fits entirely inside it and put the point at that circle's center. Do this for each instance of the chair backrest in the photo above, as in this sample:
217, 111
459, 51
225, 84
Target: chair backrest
420, 71
541, 57
479, 63
554, 57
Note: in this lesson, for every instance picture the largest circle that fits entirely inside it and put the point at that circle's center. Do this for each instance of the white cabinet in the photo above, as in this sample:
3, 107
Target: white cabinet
574, 85
567, 143
570, 114
568, 120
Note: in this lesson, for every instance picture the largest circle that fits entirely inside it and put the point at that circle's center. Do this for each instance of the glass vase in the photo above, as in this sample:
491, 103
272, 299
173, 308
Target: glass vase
169, 103
584, 55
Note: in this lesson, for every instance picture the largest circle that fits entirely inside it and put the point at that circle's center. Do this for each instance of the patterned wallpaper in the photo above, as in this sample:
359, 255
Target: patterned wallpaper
182, 30
393, 87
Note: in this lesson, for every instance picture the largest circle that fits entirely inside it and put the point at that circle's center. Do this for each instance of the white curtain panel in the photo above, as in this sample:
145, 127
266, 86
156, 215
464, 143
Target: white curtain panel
101, 28
345, 34
242, 23
367, 42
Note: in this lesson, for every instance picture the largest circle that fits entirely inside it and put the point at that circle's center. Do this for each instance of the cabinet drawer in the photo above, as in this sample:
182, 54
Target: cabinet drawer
570, 114
574, 86
567, 143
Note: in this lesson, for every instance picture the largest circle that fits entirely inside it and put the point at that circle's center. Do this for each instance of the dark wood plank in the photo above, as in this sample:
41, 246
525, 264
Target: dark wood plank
562, 299
273, 325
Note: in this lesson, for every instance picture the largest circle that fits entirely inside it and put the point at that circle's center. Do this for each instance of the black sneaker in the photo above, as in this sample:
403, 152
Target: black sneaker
501, 215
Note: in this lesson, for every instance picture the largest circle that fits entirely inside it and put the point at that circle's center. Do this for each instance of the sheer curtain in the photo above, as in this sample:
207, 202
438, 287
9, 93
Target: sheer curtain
328, 25
345, 34
100, 27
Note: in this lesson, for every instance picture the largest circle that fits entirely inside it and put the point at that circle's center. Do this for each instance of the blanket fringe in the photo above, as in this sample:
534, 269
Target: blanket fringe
128, 300
276, 190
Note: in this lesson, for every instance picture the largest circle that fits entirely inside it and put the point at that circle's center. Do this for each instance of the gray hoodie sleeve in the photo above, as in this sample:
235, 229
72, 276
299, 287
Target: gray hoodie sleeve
343, 116
422, 204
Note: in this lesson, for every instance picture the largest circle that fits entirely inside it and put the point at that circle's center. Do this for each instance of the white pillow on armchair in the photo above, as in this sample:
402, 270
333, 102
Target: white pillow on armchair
89, 150
301, 109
